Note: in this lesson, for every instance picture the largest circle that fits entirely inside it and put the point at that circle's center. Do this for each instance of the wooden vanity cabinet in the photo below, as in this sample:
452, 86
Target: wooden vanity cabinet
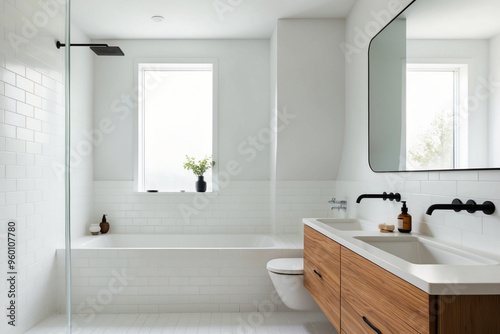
358, 296
468, 314
322, 273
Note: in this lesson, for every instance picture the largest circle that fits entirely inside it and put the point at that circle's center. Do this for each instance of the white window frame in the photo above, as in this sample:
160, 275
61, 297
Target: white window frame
142, 64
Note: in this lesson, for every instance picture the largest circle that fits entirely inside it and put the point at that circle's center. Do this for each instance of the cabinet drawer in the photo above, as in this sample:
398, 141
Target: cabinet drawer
354, 322
327, 298
322, 273
323, 255
390, 303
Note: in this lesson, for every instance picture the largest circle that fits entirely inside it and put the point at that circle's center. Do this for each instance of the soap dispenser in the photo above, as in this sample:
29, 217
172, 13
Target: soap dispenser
104, 225
404, 220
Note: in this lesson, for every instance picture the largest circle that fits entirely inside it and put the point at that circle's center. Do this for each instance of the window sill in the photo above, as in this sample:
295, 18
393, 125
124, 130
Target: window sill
172, 193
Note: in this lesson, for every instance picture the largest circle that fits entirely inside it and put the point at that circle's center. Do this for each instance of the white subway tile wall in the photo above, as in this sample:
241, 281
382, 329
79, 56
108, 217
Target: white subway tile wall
241, 207
31, 142
477, 230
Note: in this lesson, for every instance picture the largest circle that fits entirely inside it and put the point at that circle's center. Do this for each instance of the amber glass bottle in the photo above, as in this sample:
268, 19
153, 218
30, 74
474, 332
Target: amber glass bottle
104, 225
404, 220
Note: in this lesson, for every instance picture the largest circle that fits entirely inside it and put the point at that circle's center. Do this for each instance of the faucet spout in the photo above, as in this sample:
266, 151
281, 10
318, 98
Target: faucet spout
384, 196
457, 206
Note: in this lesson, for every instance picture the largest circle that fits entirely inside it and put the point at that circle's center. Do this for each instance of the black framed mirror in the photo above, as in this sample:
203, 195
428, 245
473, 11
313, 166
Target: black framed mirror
434, 88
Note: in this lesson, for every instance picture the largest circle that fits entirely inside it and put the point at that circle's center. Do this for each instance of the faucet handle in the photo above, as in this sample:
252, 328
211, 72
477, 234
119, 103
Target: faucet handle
334, 201
340, 207
457, 202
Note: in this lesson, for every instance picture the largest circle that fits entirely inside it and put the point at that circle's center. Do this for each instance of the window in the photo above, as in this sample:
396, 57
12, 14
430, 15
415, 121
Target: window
177, 113
433, 118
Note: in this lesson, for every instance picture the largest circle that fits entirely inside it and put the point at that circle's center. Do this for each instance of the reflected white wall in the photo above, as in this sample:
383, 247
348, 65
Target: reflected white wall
387, 75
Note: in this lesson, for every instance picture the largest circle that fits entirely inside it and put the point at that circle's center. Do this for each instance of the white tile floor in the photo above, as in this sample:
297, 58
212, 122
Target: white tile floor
187, 323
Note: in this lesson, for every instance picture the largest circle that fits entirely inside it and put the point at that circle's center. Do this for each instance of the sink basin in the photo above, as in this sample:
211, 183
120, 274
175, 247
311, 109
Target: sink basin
421, 251
342, 224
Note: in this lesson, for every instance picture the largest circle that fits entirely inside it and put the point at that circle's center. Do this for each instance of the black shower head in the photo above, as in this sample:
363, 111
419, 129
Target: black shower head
107, 50
99, 49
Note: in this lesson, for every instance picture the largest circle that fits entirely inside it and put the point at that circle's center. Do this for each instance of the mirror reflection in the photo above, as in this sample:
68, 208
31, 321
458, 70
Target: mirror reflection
435, 88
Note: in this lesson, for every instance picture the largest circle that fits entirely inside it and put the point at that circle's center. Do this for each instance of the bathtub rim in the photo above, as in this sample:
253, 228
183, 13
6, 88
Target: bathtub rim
281, 241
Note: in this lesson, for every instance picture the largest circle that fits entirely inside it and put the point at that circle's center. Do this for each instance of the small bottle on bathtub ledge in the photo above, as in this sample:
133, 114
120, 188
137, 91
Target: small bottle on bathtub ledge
104, 225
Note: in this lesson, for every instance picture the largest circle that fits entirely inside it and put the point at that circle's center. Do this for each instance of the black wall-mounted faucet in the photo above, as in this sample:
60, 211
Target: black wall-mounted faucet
384, 196
456, 205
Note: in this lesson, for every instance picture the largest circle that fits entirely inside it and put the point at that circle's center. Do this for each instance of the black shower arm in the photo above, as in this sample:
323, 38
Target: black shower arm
60, 45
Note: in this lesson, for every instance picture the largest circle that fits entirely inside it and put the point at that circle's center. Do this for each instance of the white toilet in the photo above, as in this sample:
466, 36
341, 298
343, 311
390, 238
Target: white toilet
288, 277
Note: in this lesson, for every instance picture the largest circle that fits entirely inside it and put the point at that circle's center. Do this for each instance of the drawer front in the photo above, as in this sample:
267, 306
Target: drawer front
370, 323
389, 301
322, 272
327, 298
323, 255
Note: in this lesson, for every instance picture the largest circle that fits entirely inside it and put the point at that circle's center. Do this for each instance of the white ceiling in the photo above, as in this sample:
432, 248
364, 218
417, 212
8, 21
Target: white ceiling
187, 19
452, 19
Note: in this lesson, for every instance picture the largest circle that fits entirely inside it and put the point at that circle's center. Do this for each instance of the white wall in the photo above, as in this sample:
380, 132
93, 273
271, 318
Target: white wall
82, 76
252, 202
310, 86
274, 100
243, 102
31, 145
494, 106
420, 189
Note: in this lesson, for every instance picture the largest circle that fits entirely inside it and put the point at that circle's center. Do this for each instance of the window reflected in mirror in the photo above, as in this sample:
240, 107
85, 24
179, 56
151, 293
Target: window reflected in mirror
432, 116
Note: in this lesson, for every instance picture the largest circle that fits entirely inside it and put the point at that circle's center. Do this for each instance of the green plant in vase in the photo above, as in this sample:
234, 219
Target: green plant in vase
199, 168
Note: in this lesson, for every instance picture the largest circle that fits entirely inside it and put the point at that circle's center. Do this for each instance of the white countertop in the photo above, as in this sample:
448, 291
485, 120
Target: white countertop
434, 279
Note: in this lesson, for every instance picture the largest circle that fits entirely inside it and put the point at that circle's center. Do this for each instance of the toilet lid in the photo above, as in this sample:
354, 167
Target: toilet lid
292, 266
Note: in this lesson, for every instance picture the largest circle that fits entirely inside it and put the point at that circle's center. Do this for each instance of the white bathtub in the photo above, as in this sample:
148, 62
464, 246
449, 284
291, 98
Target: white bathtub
175, 272
187, 241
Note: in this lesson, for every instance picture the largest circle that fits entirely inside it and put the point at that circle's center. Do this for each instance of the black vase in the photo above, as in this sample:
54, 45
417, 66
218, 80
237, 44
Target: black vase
201, 185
